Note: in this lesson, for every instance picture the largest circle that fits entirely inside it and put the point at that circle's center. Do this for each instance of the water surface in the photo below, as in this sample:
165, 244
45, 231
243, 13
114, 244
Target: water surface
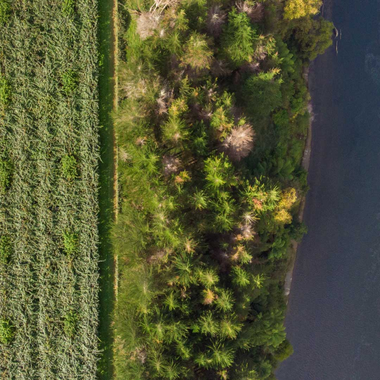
333, 319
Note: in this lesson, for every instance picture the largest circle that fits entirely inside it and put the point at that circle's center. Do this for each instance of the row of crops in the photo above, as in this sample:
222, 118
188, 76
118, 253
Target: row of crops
48, 189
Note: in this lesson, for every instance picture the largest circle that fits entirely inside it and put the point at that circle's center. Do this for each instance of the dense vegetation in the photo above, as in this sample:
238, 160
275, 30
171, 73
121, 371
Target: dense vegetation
211, 132
48, 189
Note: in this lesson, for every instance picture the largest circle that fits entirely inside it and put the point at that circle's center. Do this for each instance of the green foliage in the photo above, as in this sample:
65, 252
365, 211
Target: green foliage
68, 8
6, 171
5, 249
70, 243
69, 167
238, 39
240, 277
7, 331
262, 94
70, 77
207, 325
203, 238
70, 323
174, 130
207, 277
297, 231
219, 356
225, 300
197, 53
5, 90
301, 8
219, 173
199, 200
313, 37
196, 13
229, 328
284, 350
5, 9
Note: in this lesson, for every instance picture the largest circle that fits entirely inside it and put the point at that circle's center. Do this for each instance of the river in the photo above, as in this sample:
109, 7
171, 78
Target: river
333, 318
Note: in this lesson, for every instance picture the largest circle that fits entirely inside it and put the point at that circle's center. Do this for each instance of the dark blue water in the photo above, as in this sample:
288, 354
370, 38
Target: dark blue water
333, 318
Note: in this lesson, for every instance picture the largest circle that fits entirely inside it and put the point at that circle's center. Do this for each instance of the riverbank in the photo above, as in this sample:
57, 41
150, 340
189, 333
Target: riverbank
326, 11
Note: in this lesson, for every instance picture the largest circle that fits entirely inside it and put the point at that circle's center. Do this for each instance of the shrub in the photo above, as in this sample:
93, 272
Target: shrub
69, 167
6, 331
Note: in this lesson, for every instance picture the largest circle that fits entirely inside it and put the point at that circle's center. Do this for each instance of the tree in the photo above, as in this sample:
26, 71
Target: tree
262, 94
239, 142
215, 20
207, 325
238, 39
229, 328
219, 172
295, 9
174, 130
313, 37
221, 356
283, 351
225, 300
197, 53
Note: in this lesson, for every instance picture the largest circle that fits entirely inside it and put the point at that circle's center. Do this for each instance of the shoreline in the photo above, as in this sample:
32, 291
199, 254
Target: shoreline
326, 12
305, 165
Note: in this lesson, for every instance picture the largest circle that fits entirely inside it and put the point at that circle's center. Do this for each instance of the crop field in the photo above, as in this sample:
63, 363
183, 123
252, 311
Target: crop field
48, 189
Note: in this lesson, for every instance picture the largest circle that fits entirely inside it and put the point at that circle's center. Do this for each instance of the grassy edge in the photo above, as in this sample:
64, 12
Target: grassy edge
108, 185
